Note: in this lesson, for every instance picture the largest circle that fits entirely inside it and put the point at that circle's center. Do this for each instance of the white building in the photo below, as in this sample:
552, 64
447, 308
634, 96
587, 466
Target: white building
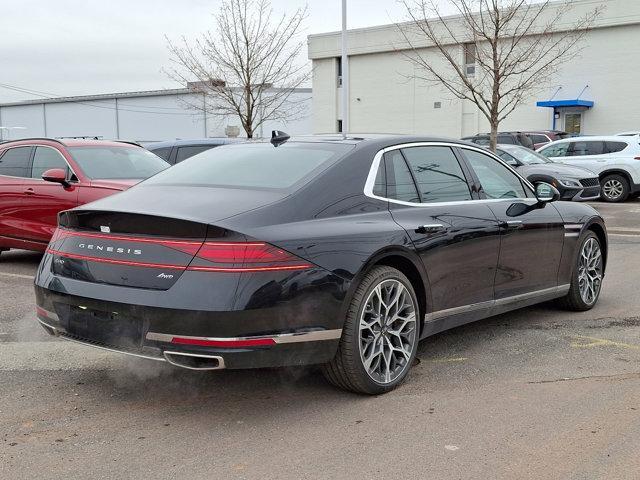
141, 116
596, 92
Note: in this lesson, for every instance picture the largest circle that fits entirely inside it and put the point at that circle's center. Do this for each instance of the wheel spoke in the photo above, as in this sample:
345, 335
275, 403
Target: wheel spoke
590, 271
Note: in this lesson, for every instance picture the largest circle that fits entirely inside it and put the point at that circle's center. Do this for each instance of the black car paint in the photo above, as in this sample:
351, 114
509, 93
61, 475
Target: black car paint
331, 223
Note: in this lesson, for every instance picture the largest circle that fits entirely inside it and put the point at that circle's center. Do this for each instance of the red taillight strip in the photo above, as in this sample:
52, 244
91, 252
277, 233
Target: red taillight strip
176, 267
249, 269
113, 261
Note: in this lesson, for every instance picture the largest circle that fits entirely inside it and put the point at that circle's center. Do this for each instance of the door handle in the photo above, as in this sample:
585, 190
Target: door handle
512, 224
29, 191
430, 228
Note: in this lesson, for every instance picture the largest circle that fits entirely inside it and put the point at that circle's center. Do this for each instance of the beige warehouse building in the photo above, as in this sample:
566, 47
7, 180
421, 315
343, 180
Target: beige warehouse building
596, 92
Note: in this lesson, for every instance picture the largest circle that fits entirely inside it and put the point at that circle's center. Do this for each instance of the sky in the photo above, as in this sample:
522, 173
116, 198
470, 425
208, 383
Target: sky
74, 47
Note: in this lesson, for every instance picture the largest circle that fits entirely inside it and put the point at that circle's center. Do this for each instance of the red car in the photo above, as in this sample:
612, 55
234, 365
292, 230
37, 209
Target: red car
40, 177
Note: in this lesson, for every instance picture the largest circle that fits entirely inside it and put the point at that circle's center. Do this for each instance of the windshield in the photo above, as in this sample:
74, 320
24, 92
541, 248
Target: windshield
526, 156
110, 163
258, 165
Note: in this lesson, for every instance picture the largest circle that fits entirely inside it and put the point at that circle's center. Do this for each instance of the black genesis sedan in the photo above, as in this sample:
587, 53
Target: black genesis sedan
320, 250
573, 183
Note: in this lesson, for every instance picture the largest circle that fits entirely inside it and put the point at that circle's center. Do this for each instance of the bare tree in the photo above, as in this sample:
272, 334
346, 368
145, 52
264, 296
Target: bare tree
248, 67
515, 47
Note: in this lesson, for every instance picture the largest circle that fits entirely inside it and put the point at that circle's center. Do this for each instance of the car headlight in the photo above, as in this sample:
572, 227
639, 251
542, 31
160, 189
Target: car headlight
569, 182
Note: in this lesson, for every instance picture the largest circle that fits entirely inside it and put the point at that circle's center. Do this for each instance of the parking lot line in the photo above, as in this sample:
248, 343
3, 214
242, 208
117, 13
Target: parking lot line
17, 275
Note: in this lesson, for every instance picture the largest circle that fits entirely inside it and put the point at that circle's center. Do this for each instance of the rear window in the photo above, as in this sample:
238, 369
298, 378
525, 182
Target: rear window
117, 162
613, 147
259, 165
187, 152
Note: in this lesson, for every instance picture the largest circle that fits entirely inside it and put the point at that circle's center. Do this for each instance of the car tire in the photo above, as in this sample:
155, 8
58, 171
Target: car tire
614, 188
588, 270
375, 351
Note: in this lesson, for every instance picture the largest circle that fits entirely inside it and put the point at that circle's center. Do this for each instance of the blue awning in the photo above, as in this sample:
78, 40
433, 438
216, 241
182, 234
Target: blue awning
565, 103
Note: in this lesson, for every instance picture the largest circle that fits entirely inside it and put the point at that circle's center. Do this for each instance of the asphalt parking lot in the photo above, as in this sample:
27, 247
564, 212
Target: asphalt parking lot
539, 393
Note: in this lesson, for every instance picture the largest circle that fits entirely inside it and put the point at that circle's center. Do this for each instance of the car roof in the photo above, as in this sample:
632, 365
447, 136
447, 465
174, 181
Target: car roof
70, 142
379, 140
594, 138
196, 141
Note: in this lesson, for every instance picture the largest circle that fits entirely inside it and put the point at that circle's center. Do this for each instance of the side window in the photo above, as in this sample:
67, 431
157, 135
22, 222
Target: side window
506, 139
400, 185
507, 158
186, 152
163, 153
613, 147
46, 158
15, 162
581, 148
539, 138
558, 150
438, 174
380, 185
497, 180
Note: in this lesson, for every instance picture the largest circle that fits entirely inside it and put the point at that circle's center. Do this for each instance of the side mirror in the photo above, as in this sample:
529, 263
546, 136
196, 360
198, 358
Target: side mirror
56, 175
546, 192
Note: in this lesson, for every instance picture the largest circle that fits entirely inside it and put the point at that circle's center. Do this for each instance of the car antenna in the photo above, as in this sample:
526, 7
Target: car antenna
278, 137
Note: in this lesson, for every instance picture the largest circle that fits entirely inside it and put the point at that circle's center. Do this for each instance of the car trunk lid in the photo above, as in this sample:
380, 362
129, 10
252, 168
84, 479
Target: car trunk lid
124, 249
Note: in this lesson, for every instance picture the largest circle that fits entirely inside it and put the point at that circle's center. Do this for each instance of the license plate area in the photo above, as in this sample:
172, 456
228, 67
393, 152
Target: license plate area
106, 328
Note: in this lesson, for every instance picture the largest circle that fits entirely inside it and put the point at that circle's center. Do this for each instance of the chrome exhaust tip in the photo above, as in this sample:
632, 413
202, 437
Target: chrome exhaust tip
194, 361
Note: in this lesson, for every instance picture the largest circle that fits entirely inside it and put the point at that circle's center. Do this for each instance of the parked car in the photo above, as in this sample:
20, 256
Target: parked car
39, 177
176, 151
615, 159
512, 138
329, 251
541, 137
573, 183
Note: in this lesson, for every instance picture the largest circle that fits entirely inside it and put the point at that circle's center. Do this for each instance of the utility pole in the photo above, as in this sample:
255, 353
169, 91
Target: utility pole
345, 73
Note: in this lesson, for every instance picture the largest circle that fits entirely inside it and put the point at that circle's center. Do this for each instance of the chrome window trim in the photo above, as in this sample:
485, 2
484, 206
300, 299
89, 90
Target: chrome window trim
373, 172
437, 315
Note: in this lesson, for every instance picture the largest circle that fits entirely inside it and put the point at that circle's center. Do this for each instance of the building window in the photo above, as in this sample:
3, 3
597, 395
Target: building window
339, 70
437, 104
339, 126
469, 58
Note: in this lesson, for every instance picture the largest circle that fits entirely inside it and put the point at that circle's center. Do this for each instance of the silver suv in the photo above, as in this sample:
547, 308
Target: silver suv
615, 159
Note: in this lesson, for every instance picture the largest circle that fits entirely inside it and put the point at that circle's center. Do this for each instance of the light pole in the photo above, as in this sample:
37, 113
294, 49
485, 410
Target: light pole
345, 73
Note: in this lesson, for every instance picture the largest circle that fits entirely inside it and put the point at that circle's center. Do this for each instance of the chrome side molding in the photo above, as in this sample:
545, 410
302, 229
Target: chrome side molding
559, 290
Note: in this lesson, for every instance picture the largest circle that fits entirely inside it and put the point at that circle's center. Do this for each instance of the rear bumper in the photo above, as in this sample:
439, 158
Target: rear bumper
242, 320
132, 330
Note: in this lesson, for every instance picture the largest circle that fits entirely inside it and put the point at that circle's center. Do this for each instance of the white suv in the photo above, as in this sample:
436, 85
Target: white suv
615, 159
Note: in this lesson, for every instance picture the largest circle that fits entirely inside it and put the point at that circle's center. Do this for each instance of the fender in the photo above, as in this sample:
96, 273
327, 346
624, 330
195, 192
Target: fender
377, 258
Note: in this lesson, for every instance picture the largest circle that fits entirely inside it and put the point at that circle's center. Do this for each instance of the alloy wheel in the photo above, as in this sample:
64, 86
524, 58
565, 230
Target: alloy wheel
612, 189
387, 331
590, 271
